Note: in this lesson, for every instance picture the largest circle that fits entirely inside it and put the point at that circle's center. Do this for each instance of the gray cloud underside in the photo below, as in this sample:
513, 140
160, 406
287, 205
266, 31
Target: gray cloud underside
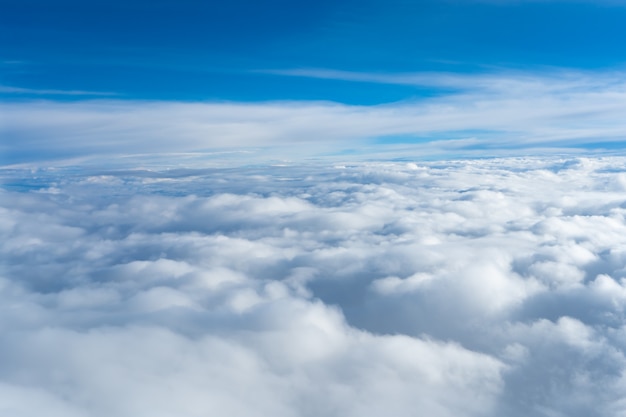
476, 288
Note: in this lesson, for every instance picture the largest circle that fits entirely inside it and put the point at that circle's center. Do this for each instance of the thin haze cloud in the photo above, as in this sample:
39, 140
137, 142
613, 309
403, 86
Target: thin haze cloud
497, 111
51, 92
556, 80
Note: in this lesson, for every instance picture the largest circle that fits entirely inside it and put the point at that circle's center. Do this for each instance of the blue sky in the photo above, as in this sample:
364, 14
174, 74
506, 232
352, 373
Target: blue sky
194, 50
355, 53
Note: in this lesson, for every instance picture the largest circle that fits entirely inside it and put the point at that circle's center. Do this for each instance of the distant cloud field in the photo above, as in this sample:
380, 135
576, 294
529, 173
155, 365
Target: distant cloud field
491, 287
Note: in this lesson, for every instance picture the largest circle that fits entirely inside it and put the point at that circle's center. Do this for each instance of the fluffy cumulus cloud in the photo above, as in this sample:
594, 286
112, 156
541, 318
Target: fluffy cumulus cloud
466, 288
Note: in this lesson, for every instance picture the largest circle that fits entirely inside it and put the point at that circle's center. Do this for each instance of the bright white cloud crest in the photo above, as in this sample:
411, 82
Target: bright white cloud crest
469, 288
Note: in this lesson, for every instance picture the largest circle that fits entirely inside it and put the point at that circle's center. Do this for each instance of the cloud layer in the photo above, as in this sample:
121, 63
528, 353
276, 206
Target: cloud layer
463, 288
498, 112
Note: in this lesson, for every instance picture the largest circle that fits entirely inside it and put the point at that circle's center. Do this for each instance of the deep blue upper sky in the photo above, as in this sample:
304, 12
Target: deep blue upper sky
193, 50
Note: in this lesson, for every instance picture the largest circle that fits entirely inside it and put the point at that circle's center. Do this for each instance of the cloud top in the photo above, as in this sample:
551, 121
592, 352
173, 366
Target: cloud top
475, 288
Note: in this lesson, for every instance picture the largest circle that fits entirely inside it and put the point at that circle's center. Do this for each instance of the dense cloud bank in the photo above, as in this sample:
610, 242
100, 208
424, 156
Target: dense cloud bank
467, 288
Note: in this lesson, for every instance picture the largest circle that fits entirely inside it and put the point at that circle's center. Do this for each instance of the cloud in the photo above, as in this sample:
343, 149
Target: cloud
51, 92
473, 113
555, 80
477, 288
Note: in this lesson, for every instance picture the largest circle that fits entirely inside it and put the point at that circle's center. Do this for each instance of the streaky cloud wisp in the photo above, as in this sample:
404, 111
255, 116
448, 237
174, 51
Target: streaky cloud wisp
493, 112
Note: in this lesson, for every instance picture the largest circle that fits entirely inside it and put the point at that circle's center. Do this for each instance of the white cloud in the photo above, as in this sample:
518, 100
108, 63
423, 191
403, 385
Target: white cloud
499, 112
52, 92
476, 288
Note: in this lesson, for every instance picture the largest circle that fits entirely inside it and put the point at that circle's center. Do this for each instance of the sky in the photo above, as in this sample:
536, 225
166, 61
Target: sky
443, 58
302, 209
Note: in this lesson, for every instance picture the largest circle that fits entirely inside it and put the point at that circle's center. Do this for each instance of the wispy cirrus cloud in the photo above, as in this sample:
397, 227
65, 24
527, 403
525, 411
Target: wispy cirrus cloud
496, 111
52, 92
548, 81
